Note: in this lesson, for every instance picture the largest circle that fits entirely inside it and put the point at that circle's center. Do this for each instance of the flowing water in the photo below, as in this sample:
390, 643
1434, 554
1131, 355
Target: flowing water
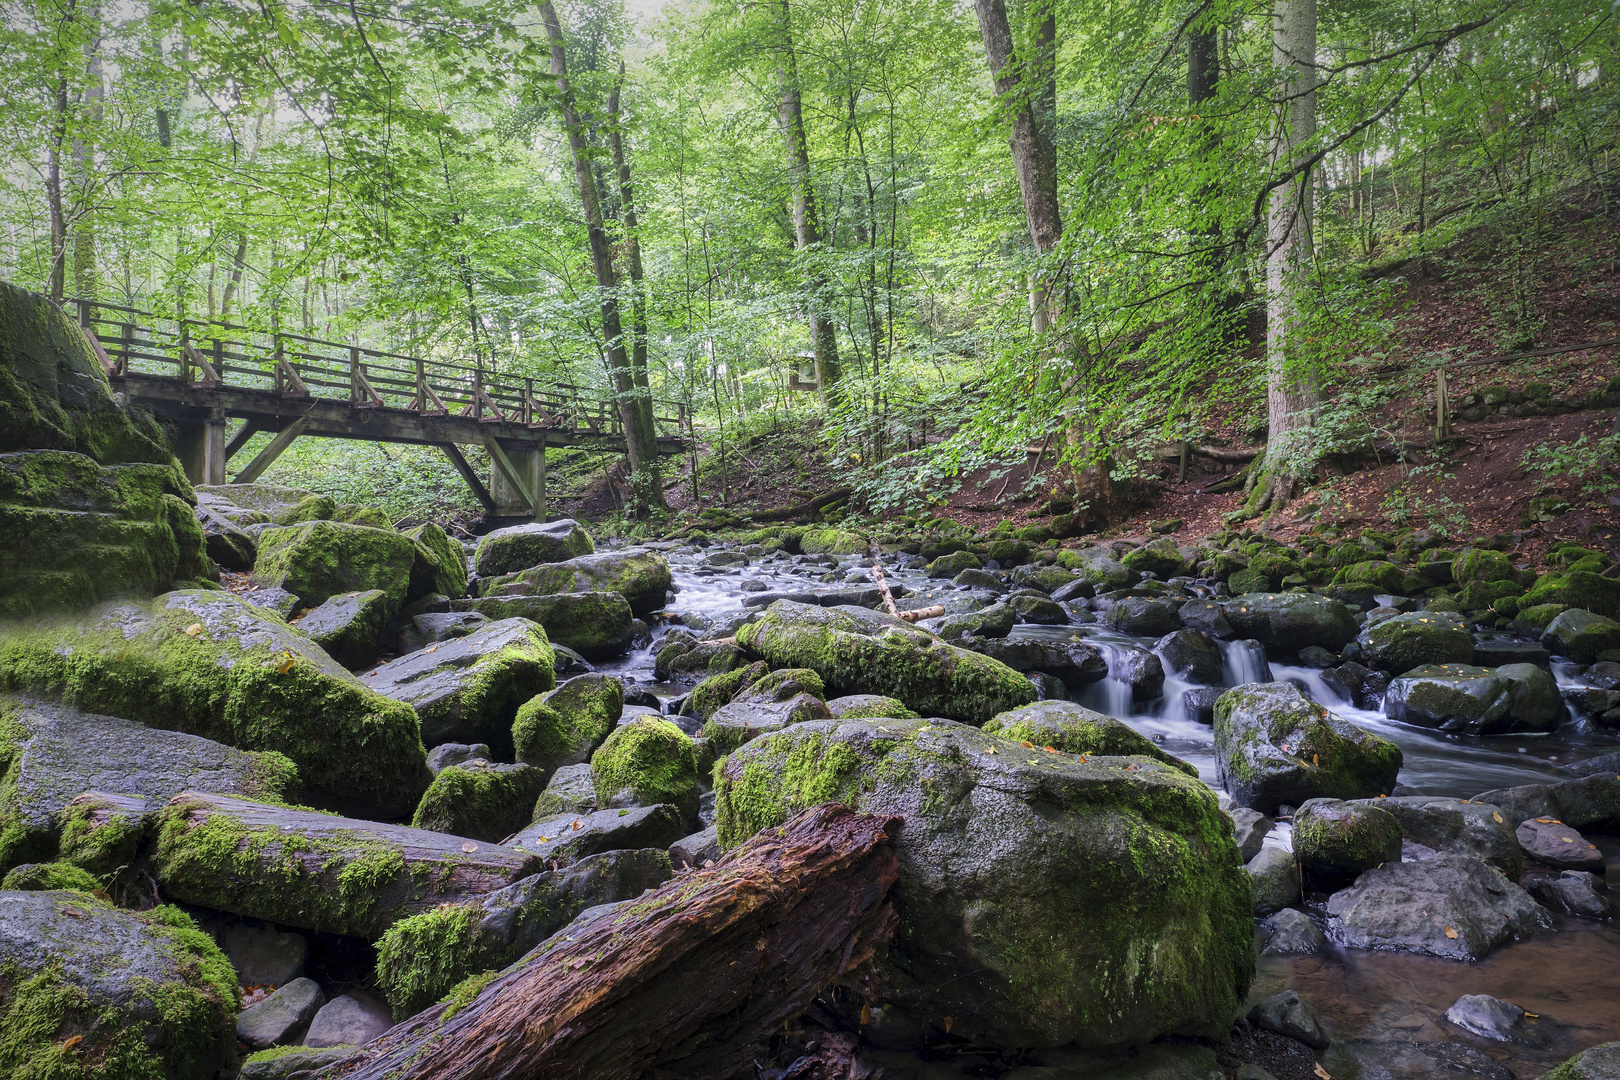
1383, 1010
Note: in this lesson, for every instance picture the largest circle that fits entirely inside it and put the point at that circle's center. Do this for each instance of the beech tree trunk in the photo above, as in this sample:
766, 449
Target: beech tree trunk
632, 258
806, 224
641, 453
1023, 96
687, 980
1291, 392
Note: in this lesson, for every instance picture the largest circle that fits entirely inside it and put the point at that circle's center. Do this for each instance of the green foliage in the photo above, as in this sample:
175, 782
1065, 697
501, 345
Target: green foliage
1593, 462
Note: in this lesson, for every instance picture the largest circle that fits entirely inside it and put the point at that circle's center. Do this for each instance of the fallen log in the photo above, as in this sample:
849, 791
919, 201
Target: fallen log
932, 611
804, 509
686, 980
1234, 455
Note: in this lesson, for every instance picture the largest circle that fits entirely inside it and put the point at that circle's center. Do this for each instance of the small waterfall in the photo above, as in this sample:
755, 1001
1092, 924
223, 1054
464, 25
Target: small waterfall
1112, 695
1245, 662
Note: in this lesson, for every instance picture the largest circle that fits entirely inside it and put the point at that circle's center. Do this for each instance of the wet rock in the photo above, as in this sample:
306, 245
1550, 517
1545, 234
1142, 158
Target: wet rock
1581, 635
1360, 686
1288, 622
1287, 1015
1459, 698
1367, 1059
1491, 650
1199, 703
162, 995
1590, 802
480, 799
1075, 729
954, 563
353, 1019
1574, 891
274, 599
997, 875
572, 790
1533, 698
739, 722
445, 755
1314, 656
1076, 662
263, 955
1450, 906
441, 564
294, 1064
568, 838
641, 577
1552, 843
1249, 828
1140, 670
1097, 568
522, 546
349, 626
1490, 1018
1159, 557
1592, 766
1208, 616
280, 1018
1144, 616
1291, 933
1598, 1063
1274, 746
468, 689
595, 624
1191, 656
224, 542
1074, 592
1039, 611
426, 629
565, 726
1047, 579
1274, 874
1412, 640
1334, 841
994, 621
320, 559
693, 852
651, 758
1457, 827
853, 706
422, 958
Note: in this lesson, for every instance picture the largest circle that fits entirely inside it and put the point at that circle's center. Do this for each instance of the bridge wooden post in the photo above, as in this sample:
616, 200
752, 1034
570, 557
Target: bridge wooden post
268, 455
354, 373
478, 391
200, 446
127, 339
517, 478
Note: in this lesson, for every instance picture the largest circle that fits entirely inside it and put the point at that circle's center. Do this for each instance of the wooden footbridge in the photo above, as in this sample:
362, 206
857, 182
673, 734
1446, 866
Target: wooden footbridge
202, 375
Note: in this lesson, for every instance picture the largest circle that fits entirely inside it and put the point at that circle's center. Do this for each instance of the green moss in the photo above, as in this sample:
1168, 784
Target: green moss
464, 992
418, 957
565, 726
877, 705
1375, 572
1577, 588
440, 565
653, 758
831, 542
785, 775
1073, 733
718, 690
42, 877
1481, 564
486, 804
374, 517
319, 559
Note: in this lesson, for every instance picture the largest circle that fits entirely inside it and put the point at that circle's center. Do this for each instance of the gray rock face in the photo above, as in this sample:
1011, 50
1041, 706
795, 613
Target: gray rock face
1287, 1015
570, 791
1250, 828
1367, 1059
1275, 878
1275, 746
595, 624
273, 598
425, 629
349, 626
1207, 616
264, 956
468, 689
1457, 827
130, 972
306, 1061
224, 541
1289, 622
1450, 906
281, 1017
691, 852
1145, 616
1404, 642
522, 546
446, 755
1489, 1018
1338, 840
739, 722
62, 752
1576, 892
1468, 700
351, 1020
1361, 686
1581, 635
1598, 1063
641, 577
1552, 843
1291, 932
1190, 655
994, 621
1076, 662
1592, 802
1140, 669
1039, 610
568, 838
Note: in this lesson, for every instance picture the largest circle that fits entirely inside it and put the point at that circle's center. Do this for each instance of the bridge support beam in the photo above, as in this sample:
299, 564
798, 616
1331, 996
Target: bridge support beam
517, 479
200, 446
475, 485
268, 455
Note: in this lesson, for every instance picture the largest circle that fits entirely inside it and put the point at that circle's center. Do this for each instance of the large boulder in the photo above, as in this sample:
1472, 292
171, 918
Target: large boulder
1433, 824
652, 759
565, 726
594, 624
566, 838
319, 559
1592, 802
1335, 840
89, 990
50, 754
735, 723
421, 959
1598, 1063
440, 565
522, 546
1075, 729
641, 577
223, 539
1450, 906
1044, 898
1474, 700
211, 664
1159, 557
1190, 655
260, 503
349, 626
1288, 622
316, 871
1274, 746
468, 689
1403, 642
1145, 615
859, 652
1075, 662
480, 799
1577, 589
1581, 635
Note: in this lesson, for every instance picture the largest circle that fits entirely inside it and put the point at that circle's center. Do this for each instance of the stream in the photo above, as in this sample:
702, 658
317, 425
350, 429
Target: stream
1384, 1010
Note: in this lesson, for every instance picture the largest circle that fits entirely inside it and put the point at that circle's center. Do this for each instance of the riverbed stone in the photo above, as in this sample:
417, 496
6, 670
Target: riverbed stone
991, 621
1453, 697
641, 577
1457, 827
1075, 662
349, 626
281, 1017
1361, 686
1145, 616
89, 983
855, 706
1490, 1018
1291, 932
1160, 557
293, 1062
1095, 566
565, 726
224, 541
480, 799
953, 563
598, 625
1250, 828
421, 959
1287, 1015
440, 565
1011, 928
1414, 639
1592, 802
857, 652
1208, 616
210, 664
519, 547
320, 559
1139, 669
1275, 746
1191, 656
1335, 840
652, 758
1578, 892
428, 627
1581, 635
1274, 874
1039, 610
468, 689
739, 722
1288, 622
1451, 906
1598, 1063
1075, 729
1552, 843
1577, 589
571, 790
569, 837
351, 1019
264, 955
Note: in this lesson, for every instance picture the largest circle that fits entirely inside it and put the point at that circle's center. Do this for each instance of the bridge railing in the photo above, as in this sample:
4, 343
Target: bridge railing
207, 353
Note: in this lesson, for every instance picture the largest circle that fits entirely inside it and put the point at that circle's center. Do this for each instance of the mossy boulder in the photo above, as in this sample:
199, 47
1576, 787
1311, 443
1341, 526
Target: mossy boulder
211, 664
293, 1062
1274, 746
641, 577
44, 877
480, 799
1097, 568
831, 542
90, 991
1247, 582
1577, 589
421, 959
855, 706
565, 726
1047, 899
102, 832
653, 759
1160, 557
594, 624
856, 652
224, 541
1336, 840
73, 533
1403, 642
1457, 827
1481, 564
519, 547
468, 689
948, 566
1075, 729
255, 503
1381, 575
1288, 622
349, 626
1047, 579
440, 565
1581, 635
320, 559
1597, 1063
718, 690
1471, 700
50, 754
742, 720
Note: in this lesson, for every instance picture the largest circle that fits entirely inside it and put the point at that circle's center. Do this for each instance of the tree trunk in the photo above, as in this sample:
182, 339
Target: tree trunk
638, 290
688, 980
806, 225
84, 237
1033, 151
640, 453
1291, 392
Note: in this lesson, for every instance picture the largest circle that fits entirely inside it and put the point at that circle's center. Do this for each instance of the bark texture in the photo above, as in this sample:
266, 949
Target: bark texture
686, 981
